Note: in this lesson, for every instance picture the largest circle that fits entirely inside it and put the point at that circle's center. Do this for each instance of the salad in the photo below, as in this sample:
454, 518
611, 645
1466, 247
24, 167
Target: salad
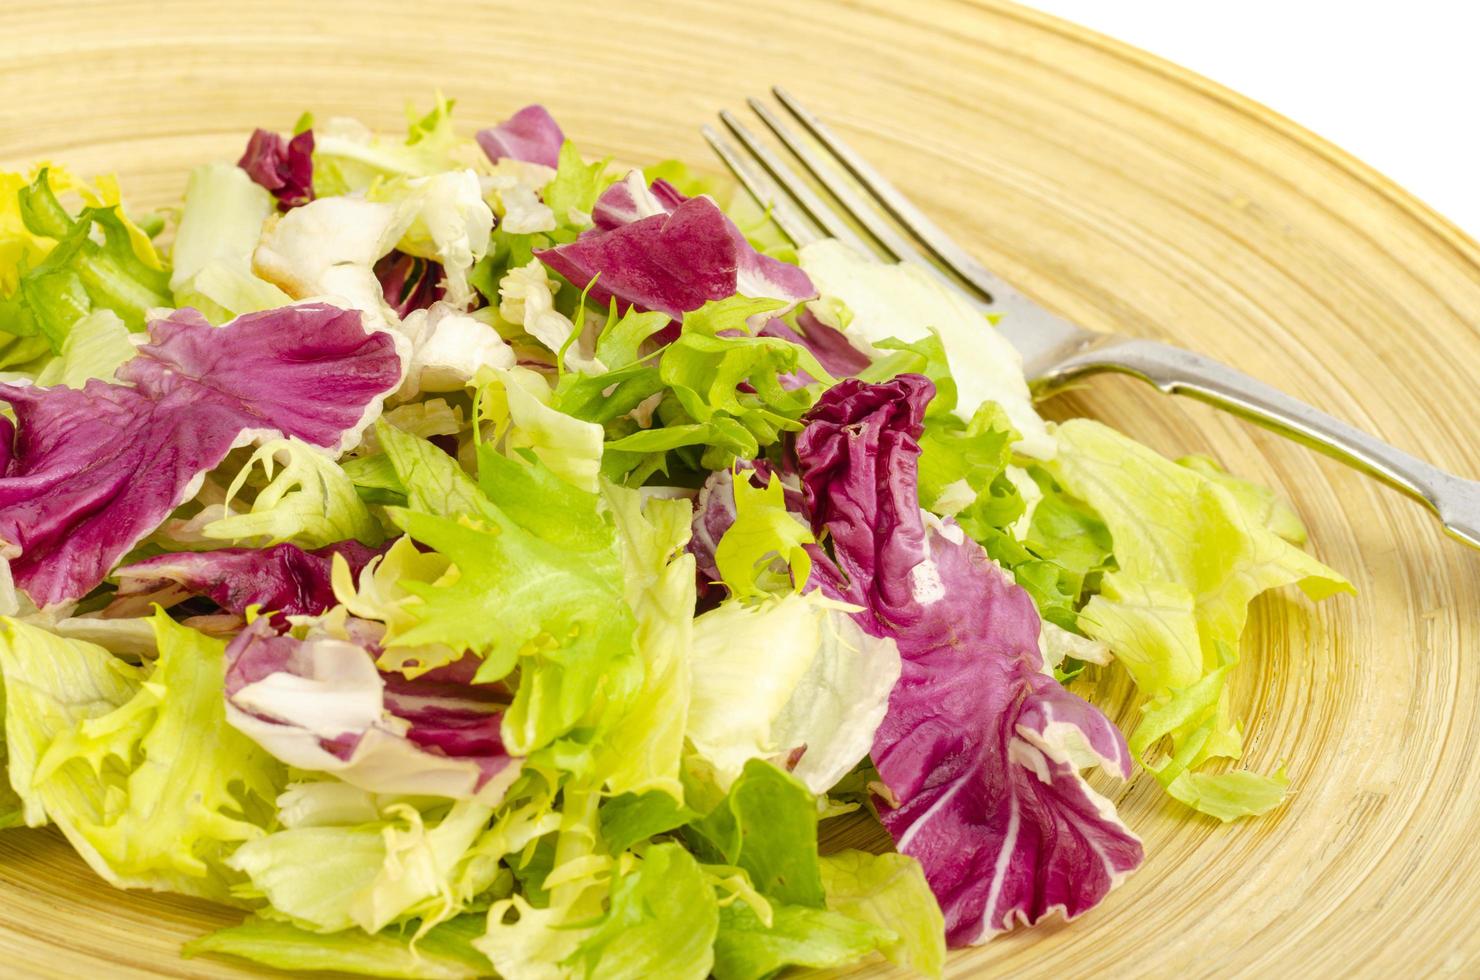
467, 558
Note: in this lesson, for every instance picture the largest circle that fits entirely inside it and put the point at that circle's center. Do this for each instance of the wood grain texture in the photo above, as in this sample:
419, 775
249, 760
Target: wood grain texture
1123, 192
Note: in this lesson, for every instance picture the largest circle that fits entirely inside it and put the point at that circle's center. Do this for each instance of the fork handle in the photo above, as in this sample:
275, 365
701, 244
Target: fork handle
1175, 371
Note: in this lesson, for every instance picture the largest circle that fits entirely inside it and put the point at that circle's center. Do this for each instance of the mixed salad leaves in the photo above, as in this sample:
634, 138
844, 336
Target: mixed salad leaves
466, 558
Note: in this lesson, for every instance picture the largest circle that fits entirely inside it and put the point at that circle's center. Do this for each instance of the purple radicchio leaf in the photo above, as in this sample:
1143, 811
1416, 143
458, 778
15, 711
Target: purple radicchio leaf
282, 579
657, 250
531, 135
409, 282
321, 704
91, 471
981, 748
284, 168
828, 344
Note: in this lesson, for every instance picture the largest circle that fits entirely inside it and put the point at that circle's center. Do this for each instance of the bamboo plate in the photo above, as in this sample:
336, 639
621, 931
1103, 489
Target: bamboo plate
1121, 191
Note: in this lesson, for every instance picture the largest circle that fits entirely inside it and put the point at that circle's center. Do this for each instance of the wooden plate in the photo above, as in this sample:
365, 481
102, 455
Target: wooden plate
1118, 189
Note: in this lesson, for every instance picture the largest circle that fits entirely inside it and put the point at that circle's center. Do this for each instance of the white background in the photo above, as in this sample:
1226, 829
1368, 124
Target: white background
1395, 84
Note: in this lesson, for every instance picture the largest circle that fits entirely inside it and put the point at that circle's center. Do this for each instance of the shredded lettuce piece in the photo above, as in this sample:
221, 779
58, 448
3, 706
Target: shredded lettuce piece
327, 877
444, 952
746, 948
763, 530
220, 225
143, 775
547, 595
309, 502
632, 818
95, 347
645, 747
791, 679
889, 891
767, 826
1192, 554
661, 921
78, 274
348, 157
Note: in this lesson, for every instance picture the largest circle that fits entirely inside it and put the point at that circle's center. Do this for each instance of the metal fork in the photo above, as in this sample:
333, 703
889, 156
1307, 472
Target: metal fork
1054, 351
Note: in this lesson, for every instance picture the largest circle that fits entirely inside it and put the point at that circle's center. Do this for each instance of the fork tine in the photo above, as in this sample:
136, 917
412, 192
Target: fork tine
825, 217
927, 231
791, 221
852, 202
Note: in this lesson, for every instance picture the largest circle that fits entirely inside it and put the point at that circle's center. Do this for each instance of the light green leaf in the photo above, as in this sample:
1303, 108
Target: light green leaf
79, 274
763, 530
432, 480
157, 792
787, 674
577, 185
532, 942
631, 818
52, 686
889, 891
347, 157
767, 825
517, 402
661, 922
95, 347
644, 746
443, 953
1191, 556
747, 949
556, 611
310, 502
1260, 504
219, 228
327, 878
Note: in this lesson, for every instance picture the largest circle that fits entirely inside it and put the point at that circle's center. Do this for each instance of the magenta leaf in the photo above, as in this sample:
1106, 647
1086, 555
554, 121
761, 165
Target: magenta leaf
409, 282
657, 250
320, 704
284, 168
281, 579
531, 135
981, 748
91, 471
310, 371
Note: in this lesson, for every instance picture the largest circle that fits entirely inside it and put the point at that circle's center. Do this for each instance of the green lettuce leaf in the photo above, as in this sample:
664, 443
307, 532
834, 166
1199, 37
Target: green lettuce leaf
347, 157
748, 949
154, 793
644, 746
1191, 556
573, 192
787, 673
632, 818
219, 228
661, 922
518, 405
704, 410
329, 877
78, 273
95, 347
874, 903
532, 941
310, 501
1261, 504
52, 685
441, 953
767, 825
432, 481
889, 891
764, 530
547, 596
